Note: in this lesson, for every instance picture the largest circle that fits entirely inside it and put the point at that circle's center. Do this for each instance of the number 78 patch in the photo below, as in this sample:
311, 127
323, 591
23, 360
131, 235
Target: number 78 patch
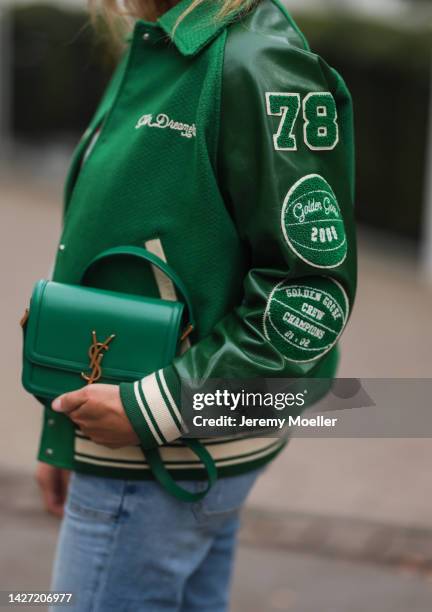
320, 120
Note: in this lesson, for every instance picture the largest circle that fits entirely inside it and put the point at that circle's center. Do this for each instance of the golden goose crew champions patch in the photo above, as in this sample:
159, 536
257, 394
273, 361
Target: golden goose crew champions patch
312, 223
304, 320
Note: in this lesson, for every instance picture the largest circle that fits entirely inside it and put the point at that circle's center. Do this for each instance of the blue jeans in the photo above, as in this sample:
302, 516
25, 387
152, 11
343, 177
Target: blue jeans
128, 546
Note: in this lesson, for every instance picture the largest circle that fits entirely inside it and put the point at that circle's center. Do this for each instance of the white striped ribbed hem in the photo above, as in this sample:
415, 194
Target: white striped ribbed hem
224, 454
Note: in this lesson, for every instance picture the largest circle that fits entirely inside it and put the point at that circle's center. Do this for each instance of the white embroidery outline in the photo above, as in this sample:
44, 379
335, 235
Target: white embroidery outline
328, 347
307, 122
285, 233
163, 121
283, 114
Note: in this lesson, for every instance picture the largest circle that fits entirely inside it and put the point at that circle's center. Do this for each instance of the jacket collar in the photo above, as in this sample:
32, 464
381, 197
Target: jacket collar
197, 29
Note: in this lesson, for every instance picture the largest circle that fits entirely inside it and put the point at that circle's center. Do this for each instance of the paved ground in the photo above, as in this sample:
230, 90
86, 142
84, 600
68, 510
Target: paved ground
282, 562
351, 490
306, 583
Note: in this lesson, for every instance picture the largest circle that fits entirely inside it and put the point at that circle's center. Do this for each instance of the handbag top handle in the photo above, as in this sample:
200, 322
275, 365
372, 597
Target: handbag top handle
144, 255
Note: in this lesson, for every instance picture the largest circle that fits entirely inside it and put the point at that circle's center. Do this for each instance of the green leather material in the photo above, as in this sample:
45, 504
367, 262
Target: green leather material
63, 316
59, 334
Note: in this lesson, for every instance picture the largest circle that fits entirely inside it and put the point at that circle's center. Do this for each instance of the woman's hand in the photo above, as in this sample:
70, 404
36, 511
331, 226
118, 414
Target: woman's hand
98, 412
53, 483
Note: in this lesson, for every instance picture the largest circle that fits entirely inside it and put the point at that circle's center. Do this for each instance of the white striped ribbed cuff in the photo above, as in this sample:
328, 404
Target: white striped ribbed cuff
152, 409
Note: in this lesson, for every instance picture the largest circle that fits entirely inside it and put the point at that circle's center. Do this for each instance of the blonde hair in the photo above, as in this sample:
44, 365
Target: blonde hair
118, 14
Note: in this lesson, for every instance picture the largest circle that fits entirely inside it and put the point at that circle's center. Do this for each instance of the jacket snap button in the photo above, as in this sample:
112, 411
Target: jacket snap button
146, 36
62, 247
51, 422
49, 451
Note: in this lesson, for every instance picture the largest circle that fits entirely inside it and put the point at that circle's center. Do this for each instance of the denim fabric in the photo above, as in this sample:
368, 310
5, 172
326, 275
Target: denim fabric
128, 546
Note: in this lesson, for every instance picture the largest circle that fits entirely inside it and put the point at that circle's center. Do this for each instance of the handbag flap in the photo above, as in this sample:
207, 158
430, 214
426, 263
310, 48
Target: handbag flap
63, 318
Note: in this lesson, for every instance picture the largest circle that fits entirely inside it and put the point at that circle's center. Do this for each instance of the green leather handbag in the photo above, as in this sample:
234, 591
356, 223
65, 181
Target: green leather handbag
76, 335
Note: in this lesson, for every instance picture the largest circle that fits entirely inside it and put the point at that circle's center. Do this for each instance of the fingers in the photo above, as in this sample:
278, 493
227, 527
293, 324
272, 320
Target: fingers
53, 483
98, 412
69, 402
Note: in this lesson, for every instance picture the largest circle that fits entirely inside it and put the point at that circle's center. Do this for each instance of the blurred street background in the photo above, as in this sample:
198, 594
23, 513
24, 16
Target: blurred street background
334, 525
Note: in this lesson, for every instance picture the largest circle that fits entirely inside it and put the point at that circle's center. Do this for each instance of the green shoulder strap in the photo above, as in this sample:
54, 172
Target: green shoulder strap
167, 481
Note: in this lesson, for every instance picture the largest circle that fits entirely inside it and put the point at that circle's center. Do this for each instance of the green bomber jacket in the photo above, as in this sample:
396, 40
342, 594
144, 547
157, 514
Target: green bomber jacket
227, 150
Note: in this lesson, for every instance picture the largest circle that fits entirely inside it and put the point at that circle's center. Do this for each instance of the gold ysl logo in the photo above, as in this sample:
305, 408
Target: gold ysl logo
96, 353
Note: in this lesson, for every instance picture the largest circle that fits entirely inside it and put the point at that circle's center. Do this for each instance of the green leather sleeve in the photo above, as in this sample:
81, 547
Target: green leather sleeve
286, 167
